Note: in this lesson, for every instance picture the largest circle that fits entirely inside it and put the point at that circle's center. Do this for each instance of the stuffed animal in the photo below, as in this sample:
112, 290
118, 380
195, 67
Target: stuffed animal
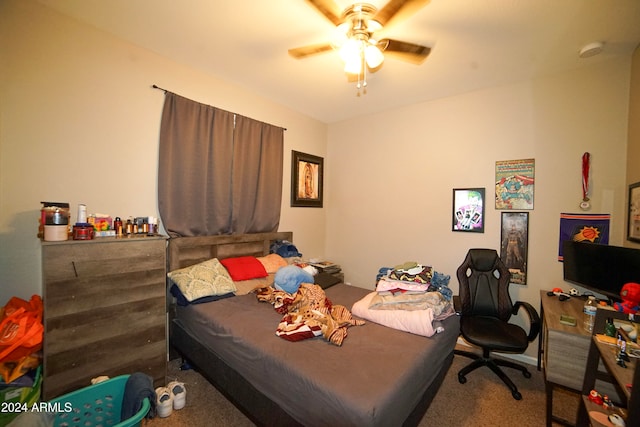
630, 295
289, 278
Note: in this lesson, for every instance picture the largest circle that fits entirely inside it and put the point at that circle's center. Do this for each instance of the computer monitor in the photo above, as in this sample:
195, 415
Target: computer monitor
603, 269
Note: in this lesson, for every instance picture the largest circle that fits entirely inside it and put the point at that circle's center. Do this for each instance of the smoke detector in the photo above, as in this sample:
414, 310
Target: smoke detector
591, 49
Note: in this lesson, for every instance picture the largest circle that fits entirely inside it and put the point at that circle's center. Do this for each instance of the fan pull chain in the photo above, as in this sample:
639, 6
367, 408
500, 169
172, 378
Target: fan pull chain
362, 82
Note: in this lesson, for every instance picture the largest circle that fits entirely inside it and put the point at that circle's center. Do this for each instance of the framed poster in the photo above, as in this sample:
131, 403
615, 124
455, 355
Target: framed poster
514, 238
514, 184
633, 226
306, 180
468, 210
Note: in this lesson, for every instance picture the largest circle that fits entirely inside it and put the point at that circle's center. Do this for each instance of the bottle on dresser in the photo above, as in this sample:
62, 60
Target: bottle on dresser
589, 313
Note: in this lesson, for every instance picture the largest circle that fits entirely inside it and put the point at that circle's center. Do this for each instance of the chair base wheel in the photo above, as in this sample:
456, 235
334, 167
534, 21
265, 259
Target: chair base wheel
494, 365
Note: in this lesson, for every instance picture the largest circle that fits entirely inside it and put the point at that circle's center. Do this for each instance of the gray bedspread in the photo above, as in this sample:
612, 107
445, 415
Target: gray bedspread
375, 378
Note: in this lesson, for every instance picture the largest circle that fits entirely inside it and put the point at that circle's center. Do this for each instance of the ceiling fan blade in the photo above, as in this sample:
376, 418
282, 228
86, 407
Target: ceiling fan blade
304, 51
398, 9
329, 9
406, 51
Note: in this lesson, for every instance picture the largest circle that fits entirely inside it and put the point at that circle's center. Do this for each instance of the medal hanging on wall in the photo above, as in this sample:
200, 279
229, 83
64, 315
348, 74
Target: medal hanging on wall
586, 165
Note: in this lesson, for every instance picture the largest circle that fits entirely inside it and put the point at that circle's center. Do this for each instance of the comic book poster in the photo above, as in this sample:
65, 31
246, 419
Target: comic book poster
592, 228
514, 184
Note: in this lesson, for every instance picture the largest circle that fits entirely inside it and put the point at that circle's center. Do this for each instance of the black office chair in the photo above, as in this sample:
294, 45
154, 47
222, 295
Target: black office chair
485, 309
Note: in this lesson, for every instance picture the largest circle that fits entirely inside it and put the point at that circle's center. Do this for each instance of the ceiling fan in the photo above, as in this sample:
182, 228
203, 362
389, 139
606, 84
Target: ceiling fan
355, 36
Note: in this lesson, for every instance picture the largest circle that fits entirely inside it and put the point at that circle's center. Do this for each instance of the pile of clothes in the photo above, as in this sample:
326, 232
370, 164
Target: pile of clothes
307, 312
412, 286
409, 297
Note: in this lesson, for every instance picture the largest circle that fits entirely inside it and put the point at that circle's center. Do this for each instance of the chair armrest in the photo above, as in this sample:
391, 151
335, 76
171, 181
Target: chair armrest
534, 318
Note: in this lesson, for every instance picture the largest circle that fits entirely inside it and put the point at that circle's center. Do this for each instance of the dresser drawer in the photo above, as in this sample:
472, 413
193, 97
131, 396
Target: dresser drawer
93, 259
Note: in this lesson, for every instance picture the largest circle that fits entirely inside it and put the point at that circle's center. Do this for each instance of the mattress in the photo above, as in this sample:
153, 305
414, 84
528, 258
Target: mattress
375, 378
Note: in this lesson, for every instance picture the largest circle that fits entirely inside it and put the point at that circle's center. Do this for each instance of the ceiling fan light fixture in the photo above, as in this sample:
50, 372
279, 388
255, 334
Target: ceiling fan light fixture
350, 49
355, 37
353, 65
339, 36
373, 56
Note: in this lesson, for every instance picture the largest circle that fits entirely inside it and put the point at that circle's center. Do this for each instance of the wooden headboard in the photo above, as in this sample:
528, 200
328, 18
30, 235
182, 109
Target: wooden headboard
186, 251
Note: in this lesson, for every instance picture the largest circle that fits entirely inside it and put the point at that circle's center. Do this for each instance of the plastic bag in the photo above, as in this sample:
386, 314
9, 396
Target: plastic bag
21, 328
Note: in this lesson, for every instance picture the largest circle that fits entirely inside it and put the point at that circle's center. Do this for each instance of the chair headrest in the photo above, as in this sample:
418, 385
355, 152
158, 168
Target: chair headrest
483, 259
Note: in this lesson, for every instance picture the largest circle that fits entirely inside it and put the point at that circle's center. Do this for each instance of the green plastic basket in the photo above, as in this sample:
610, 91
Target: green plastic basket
97, 405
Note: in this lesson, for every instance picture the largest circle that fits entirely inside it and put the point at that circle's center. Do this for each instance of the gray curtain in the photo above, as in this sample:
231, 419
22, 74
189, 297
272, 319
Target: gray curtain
219, 172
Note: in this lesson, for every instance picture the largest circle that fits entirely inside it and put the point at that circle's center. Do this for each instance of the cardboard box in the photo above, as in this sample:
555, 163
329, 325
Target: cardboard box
100, 223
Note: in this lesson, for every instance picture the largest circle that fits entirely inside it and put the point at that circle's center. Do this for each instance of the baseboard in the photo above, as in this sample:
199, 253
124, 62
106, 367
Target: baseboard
523, 358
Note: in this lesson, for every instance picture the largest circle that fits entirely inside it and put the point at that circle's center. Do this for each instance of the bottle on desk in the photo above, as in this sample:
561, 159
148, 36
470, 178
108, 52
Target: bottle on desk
610, 328
589, 313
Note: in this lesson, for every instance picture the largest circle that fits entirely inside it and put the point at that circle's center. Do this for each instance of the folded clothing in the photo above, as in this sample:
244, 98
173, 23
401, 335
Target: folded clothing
410, 301
412, 272
387, 284
418, 322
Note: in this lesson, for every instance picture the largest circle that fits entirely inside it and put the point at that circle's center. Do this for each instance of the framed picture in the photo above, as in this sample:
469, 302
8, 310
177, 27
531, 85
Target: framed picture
633, 226
514, 184
306, 180
514, 242
468, 210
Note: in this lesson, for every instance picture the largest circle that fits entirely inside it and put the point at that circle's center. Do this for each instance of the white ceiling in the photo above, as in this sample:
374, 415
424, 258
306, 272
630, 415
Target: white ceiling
475, 44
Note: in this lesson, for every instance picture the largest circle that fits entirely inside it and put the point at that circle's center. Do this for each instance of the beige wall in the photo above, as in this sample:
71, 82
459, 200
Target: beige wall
79, 123
392, 174
633, 150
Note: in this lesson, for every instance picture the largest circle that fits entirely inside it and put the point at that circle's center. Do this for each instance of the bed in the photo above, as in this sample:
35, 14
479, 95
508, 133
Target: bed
379, 376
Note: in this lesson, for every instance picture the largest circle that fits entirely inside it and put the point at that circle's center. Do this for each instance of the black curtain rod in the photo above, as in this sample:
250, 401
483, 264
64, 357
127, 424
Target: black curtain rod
165, 91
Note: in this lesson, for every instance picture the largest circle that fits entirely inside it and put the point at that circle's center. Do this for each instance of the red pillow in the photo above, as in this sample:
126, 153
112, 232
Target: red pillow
244, 268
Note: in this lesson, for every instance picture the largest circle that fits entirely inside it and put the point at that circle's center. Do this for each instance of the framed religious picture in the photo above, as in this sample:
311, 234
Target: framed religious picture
514, 184
633, 226
514, 239
468, 210
306, 180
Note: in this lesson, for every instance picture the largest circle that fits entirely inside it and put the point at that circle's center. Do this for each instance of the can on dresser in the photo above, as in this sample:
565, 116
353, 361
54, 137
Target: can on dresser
54, 221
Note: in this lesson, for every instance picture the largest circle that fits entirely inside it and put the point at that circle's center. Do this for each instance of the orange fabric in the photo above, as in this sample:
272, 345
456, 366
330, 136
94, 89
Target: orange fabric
21, 328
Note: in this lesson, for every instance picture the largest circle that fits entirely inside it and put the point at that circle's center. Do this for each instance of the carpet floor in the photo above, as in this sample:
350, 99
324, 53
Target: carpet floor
484, 401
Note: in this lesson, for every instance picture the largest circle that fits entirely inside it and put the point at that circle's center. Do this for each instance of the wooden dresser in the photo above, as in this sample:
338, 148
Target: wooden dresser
104, 310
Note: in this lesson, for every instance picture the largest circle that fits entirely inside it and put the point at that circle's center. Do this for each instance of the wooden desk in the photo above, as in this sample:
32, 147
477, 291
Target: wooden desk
563, 351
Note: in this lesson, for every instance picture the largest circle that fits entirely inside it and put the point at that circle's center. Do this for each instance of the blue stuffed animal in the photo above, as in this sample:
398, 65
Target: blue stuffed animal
289, 278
